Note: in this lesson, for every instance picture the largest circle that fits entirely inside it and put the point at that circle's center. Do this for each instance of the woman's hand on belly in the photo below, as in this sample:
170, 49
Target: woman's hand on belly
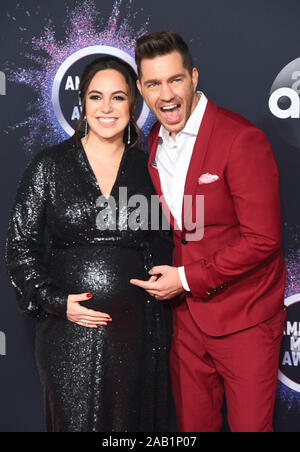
84, 316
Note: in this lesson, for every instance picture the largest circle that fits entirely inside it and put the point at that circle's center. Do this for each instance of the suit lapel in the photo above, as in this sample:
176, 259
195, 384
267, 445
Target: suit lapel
196, 163
154, 174
153, 171
199, 152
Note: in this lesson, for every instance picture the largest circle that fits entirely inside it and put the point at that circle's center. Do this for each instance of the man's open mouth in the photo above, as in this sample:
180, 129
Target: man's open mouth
171, 113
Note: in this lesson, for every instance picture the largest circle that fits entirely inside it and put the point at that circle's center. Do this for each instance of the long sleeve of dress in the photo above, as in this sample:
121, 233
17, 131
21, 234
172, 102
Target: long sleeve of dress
25, 249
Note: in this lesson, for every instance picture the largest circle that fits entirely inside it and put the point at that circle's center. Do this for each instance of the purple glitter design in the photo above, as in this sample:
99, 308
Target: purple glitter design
84, 28
292, 261
289, 400
293, 273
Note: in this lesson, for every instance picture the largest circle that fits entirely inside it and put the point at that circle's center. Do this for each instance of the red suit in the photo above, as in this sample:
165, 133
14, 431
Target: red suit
227, 329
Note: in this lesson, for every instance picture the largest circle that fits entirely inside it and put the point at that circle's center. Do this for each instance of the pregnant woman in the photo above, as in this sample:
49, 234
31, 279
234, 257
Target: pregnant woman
101, 343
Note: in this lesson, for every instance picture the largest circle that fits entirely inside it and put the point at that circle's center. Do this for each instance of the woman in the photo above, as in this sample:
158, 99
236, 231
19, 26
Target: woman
101, 343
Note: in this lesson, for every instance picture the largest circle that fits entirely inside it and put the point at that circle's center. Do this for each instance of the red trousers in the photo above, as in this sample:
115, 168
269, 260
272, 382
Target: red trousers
243, 364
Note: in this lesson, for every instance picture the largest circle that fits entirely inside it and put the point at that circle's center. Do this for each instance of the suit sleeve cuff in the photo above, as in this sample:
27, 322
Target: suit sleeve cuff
183, 279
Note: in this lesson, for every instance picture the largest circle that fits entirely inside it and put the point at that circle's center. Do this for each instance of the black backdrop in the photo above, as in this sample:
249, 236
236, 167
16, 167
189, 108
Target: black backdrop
239, 48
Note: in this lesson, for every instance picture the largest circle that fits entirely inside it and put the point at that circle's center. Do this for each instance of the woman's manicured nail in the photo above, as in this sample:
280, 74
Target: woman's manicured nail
89, 295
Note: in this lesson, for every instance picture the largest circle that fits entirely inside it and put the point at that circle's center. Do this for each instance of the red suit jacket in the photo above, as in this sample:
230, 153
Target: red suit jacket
236, 272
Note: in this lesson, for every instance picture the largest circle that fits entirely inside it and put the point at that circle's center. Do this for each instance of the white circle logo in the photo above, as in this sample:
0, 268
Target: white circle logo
290, 348
284, 103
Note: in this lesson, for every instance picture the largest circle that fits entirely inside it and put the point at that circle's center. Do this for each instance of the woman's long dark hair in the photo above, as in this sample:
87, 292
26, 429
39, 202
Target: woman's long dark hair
101, 64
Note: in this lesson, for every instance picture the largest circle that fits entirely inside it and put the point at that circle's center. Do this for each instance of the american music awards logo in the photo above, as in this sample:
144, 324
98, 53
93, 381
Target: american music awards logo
289, 373
284, 103
289, 361
54, 79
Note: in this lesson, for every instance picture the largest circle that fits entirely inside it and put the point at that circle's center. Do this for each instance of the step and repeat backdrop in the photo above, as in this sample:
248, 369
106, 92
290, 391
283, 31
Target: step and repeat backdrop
248, 56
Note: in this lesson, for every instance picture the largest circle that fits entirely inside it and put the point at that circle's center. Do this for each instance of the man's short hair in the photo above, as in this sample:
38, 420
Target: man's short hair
162, 43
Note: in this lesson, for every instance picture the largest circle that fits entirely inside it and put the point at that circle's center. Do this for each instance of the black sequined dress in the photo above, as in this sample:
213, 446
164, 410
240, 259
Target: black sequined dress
110, 379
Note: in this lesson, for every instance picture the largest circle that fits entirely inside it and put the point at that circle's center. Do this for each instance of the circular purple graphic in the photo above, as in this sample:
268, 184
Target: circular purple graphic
290, 346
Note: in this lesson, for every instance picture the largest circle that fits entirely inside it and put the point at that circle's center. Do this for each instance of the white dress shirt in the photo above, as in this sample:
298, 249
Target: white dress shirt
172, 159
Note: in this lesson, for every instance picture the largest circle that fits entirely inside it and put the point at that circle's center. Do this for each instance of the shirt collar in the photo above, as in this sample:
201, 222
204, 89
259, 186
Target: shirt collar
193, 123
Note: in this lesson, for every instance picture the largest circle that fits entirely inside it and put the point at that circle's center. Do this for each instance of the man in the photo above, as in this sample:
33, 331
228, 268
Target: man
226, 286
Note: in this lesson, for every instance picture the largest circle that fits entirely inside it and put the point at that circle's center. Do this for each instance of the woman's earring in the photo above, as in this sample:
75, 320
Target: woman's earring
86, 131
128, 141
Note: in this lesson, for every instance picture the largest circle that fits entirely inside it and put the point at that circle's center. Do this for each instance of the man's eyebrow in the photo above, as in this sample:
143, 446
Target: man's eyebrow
176, 76
147, 82
154, 80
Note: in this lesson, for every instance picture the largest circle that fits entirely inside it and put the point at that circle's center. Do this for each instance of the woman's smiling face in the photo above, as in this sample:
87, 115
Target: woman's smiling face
107, 105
